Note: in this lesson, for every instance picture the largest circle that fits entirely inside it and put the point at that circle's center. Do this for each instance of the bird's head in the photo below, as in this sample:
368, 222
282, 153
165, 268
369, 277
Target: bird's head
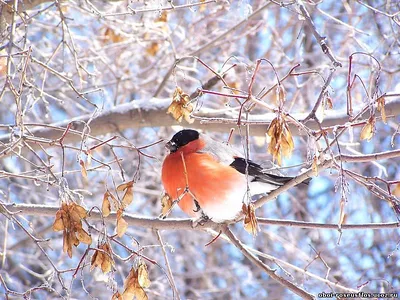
182, 138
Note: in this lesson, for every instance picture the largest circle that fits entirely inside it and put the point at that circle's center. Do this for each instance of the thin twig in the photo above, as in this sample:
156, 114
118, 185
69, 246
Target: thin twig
171, 276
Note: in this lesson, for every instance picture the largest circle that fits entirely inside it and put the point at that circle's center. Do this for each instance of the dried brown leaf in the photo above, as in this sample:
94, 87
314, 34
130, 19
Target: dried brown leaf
153, 48
58, 224
80, 210
381, 108
396, 190
329, 103
110, 36
74, 217
180, 106
128, 197
119, 213
108, 262
203, 6
83, 169
143, 276
67, 244
116, 296
106, 205
106, 266
74, 240
83, 237
132, 287
163, 17
166, 204
96, 260
69, 219
368, 130
280, 139
122, 226
250, 219
124, 186
114, 200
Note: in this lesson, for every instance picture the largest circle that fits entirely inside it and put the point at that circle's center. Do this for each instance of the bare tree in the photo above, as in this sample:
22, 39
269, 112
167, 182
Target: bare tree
311, 88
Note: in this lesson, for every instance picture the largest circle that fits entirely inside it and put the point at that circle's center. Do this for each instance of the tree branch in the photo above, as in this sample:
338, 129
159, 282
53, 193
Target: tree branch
184, 224
151, 223
152, 113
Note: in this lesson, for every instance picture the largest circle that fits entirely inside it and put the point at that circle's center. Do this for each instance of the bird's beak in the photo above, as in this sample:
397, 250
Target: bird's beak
171, 146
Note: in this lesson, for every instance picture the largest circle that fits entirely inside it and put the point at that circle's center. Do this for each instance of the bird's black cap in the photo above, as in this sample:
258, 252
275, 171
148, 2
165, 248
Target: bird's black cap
181, 139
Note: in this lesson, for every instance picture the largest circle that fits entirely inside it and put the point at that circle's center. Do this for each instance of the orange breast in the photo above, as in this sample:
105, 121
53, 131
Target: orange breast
208, 180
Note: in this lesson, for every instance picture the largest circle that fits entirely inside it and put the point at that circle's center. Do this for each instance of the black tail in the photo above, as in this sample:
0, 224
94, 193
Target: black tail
259, 174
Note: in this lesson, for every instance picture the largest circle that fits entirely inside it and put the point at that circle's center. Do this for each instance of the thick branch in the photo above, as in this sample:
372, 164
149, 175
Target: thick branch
151, 223
186, 224
152, 113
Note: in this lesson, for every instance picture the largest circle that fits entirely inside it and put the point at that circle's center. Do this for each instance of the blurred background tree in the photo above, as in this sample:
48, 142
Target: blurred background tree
85, 87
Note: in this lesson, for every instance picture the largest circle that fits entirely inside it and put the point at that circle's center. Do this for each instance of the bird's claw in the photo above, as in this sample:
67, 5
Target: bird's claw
200, 221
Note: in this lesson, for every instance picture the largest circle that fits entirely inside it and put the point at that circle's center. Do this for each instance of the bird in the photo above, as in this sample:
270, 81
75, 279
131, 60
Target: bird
210, 179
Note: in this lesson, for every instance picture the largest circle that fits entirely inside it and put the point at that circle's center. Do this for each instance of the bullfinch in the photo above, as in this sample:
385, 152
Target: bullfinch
209, 179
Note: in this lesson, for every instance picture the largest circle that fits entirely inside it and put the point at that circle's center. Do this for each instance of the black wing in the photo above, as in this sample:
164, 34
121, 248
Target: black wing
257, 172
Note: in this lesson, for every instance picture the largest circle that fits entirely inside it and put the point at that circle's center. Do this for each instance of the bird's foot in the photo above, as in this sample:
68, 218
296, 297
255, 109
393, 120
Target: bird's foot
200, 221
198, 208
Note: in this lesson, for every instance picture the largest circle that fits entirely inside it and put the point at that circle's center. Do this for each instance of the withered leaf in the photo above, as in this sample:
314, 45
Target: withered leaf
250, 219
180, 106
110, 36
69, 220
67, 244
143, 276
368, 130
106, 265
84, 237
163, 17
80, 210
74, 240
166, 204
74, 216
396, 190
106, 205
329, 103
114, 200
381, 108
133, 288
153, 48
128, 197
96, 260
58, 224
83, 169
280, 139
124, 186
119, 213
108, 262
203, 6
122, 226
102, 258
116, 296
